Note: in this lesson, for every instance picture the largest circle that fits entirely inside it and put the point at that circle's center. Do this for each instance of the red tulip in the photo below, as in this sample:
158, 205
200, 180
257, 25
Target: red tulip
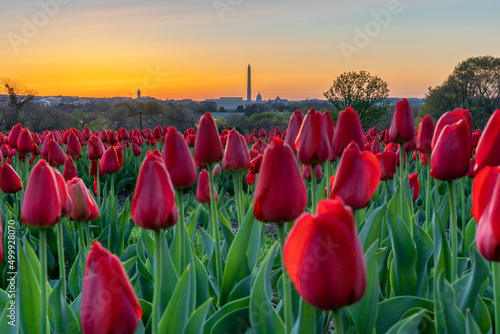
250, 178
84, 206
488, 148
208, 146
42, 203
306, 171
387, 161
452, 152
402, 128
110, 161
357, 178
69, 169
280, 193
447, 119
217, 171
425, 131
136, 149
67, 205
108, 301
14, 135
178, 160
93, 169
324, 257
203, 188
153, 204
10, 182
312, 143
485, 209
470, 172
293, 128
414, 185
73, 148
56, 156
256, 163
348, 129
95, 148
375, 147
24, 141
236, 157
476, 136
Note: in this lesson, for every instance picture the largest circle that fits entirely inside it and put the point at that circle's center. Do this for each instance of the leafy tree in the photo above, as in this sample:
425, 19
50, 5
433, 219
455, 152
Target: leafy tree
474, 84
19, 94
366, 93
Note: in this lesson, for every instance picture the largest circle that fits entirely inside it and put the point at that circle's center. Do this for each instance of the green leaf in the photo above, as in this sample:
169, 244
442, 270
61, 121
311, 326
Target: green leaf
28, 292
175, 317
469, 236
236, 321
263, 316
62, 318
8, 321
392, 310
372, 227
224, 310
452, 318
423, 243
366, 310
471, 326
196, 320
403, 276
236, 258
442, 251
408, 325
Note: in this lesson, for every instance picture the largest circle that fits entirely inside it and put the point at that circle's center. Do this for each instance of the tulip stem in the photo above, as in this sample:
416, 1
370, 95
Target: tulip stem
339, 328
180, 230
215, 225
237, 196
157, 282
453, 229
242, 195
89, 239
428, 195
401, 177
314, 200
462, 197
287, 292
98, 186
82, 239
60, 255
43, 280
327, 172
495, 266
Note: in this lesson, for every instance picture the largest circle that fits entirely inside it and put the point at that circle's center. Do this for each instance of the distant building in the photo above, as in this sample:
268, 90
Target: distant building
259, 98
138, 94
229, 103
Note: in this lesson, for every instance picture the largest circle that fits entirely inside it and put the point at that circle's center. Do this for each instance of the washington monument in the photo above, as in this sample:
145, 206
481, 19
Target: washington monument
249, 85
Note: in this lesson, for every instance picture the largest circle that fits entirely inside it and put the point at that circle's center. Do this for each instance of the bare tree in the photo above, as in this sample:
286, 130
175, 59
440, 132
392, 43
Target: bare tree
19, 94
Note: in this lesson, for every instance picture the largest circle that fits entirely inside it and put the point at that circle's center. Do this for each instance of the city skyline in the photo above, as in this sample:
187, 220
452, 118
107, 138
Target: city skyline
199, 49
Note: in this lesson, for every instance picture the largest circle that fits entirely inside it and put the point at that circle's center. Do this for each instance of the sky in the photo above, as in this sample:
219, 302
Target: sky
199, 49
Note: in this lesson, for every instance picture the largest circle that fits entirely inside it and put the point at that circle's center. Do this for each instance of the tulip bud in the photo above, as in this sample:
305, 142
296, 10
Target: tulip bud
70, 170
280, 193
108, 301
402, 128
387, 161
348, 129
84, 206
42, 203
250, 178
24, 141
488, 147
178, 160
73, 148
293, 128
10, 182
208, 146
425, 131
357, 178
324, 257
153, 203
56, 156
452, 152
485, 209
111, 161
95, 148
414, 185
203, 188
312, 143
14, 135
236, 157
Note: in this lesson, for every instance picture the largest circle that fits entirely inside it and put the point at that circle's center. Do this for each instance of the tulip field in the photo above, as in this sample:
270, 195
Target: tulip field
318, 228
